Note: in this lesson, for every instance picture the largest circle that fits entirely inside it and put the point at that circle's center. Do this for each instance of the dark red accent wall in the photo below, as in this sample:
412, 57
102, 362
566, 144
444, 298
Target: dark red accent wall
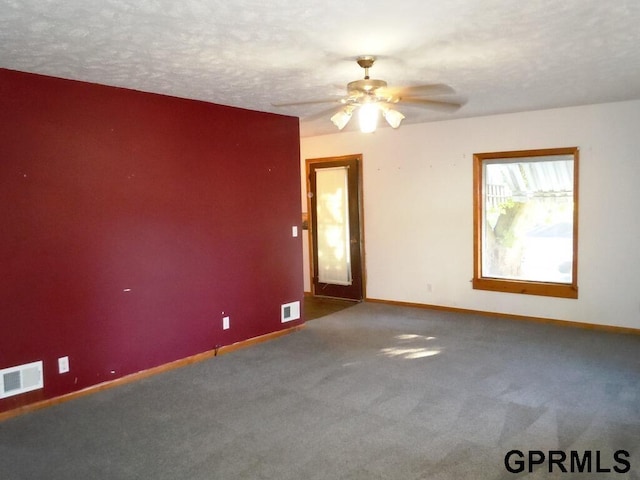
133, 222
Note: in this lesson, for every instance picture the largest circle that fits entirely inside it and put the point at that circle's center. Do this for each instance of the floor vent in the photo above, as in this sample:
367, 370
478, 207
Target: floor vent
290, 312
21, 379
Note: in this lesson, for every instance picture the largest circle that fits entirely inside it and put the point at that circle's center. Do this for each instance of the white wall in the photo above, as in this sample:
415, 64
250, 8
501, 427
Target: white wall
418, 208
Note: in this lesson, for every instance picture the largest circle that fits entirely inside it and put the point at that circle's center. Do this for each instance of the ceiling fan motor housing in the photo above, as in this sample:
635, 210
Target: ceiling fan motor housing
367, 89
366, 86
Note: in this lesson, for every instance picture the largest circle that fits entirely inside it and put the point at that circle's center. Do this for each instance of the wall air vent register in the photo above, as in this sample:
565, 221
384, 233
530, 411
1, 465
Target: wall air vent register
290, 312
21, 379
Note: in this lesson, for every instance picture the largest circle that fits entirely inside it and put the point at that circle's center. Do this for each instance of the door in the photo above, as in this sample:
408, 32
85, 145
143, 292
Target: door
335, 207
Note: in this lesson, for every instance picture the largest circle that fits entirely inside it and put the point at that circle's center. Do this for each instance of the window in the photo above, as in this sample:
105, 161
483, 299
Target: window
526, 222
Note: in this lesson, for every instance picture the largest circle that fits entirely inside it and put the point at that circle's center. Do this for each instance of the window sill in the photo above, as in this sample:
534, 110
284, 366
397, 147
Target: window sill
560, 290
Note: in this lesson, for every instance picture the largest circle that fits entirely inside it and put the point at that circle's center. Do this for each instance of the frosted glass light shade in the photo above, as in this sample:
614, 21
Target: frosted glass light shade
368, 117
368, 114
393, 117
341, 118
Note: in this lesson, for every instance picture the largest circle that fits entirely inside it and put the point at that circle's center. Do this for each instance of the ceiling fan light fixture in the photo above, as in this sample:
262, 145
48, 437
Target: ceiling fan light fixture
341, 118
373, 98
368, 117
393, 117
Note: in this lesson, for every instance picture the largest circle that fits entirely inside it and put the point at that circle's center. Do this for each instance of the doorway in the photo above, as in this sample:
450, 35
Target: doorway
334, 187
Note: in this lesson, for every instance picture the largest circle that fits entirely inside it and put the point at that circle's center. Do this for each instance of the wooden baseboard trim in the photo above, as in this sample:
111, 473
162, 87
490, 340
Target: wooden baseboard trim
183, 362
552, 321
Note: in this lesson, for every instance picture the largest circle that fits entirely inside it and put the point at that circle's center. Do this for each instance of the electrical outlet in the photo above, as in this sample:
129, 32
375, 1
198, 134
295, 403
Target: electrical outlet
63, 364
225, 323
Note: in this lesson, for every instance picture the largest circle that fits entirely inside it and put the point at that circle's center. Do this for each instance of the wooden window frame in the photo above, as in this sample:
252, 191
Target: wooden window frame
550, 289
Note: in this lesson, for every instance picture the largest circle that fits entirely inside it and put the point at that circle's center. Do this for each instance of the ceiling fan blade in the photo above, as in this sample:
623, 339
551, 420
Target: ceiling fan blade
307, 102
420, 90
450, 106
325, 112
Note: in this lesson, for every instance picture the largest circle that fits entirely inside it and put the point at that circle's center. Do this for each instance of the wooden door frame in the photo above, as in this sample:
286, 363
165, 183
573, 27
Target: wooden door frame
311, 233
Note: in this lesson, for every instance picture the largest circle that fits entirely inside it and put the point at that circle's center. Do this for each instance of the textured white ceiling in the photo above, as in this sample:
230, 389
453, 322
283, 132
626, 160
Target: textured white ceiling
500, 55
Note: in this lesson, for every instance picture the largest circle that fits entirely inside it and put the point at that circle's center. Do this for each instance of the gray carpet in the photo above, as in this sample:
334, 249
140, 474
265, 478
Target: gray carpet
371, 392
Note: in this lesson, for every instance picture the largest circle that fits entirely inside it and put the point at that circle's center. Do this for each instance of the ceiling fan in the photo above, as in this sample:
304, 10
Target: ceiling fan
372, 98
